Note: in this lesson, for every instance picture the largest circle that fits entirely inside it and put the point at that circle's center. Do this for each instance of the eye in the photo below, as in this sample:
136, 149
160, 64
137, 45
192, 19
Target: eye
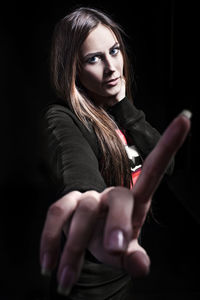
115, 50
93, 59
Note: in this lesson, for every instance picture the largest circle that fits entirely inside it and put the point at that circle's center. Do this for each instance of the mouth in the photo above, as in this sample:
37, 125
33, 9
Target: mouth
112, 82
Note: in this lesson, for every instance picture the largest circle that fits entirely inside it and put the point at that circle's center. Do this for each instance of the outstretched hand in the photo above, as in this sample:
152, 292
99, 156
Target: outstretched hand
107, 223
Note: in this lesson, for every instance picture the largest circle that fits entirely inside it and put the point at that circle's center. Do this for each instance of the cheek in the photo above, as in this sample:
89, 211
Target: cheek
90, 78
121, 64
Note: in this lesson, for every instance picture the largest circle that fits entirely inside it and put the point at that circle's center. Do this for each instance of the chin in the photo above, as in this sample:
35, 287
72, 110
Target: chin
113, 91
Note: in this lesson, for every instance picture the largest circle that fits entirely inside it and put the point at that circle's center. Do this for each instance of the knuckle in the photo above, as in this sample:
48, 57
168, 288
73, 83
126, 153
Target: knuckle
89, 205
88, 208
118, 193
91, 193
55, 210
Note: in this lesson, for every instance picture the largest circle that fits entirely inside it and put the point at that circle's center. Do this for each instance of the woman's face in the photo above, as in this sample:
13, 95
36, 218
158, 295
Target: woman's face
101, 71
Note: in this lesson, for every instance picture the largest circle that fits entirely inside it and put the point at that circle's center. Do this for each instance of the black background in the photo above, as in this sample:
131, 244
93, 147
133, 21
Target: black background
164, 41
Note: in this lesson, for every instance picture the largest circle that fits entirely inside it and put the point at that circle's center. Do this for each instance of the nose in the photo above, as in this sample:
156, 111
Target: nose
109, 67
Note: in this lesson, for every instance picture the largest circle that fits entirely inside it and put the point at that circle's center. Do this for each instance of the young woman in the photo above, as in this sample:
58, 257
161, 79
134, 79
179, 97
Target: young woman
95, 143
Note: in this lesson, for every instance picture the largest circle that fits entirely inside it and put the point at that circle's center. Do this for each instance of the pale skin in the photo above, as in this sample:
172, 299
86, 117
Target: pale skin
112, 220
102, 67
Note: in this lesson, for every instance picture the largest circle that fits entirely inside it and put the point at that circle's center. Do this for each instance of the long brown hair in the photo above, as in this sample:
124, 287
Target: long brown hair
68, 36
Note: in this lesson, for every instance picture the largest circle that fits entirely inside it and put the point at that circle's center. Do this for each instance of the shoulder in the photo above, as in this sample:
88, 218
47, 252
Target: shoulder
58, 119
57, 111
56, 115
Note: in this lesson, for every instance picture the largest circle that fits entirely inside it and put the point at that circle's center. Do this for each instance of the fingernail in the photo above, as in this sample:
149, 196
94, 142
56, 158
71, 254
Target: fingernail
186, 113
46, 265
66, 282
116, 241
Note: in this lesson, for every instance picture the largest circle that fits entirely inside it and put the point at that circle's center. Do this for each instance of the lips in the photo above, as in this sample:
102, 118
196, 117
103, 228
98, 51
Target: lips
113, 81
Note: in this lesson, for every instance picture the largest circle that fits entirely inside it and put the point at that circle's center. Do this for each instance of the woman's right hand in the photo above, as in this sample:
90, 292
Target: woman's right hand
100, 222
107, 223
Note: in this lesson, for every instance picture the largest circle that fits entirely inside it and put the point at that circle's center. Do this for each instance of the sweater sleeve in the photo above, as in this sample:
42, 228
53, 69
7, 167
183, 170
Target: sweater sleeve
69, 158
144, 136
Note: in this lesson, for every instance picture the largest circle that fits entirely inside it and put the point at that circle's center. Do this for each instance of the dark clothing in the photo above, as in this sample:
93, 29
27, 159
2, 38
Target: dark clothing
72, 155
98, 282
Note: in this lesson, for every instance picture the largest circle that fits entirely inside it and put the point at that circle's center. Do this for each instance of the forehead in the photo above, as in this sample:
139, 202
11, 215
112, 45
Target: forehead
99, 39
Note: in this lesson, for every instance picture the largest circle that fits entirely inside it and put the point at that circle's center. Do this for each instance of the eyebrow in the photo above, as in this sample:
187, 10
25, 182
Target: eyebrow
91, 54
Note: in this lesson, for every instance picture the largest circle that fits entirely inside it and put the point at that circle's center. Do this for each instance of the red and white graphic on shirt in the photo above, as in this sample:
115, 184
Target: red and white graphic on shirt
134, 157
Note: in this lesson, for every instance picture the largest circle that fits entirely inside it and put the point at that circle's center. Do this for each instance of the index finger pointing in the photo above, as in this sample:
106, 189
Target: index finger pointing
157, 162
